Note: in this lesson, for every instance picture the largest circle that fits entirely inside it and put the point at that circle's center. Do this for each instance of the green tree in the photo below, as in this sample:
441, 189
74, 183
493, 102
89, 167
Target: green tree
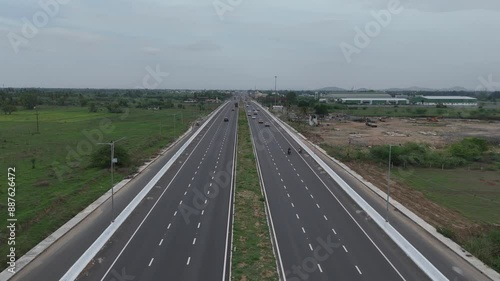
29, 100
321, 109
100, 158
291, 98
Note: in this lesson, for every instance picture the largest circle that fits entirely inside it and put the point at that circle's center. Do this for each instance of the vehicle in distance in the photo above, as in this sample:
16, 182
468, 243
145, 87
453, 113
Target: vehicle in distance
267, 124
226, 119
260, 121
253, 117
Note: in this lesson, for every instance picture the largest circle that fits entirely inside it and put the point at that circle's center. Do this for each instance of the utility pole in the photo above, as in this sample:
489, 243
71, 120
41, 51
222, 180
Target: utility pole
37, 126
275, 93
113, 161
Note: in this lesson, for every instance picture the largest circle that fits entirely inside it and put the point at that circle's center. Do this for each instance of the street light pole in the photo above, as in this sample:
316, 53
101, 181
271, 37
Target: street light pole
388, 185
113, 160
37, 127
275, 93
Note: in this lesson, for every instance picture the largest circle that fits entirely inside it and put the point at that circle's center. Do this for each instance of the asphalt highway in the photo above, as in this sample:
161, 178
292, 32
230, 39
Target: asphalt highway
319, 235
186, 233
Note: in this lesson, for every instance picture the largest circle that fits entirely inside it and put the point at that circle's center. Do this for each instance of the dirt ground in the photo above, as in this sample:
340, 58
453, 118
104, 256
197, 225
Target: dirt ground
401, 130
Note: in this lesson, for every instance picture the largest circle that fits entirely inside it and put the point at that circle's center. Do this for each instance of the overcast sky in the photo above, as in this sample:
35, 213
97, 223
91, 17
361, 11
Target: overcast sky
242, 44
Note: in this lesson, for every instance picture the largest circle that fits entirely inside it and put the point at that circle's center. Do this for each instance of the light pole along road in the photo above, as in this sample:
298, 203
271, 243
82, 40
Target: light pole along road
186, 233
320, 236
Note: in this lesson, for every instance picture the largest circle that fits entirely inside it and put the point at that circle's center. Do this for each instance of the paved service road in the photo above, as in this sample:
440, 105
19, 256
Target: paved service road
184, 231
321, 235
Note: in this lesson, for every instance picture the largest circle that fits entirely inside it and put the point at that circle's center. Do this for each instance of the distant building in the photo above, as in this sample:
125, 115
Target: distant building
277, 108
445, 100
374, 101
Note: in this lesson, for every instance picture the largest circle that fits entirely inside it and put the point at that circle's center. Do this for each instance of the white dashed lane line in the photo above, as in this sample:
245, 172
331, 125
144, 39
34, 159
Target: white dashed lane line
297, 215
358, 270
320, 269
168, 227
325, 217
188, 261
199, 225
303, 230
161, 241
152, 259
194, 241
317, 205
345, 249
310, 247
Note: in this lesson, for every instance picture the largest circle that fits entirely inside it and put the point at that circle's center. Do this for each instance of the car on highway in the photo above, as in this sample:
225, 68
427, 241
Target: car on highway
260, 121
226, 119
253, 117
267, 124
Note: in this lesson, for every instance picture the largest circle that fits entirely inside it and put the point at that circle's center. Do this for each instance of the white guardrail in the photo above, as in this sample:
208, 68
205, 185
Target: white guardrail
427, 267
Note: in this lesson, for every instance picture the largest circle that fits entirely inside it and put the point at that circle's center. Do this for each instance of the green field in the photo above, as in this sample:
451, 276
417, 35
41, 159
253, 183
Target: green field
53, 178
414, 111
473, 193
253, 257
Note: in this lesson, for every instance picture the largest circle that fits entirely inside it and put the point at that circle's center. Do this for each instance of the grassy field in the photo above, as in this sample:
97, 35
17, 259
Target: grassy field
53, 178
475, 194
253, 257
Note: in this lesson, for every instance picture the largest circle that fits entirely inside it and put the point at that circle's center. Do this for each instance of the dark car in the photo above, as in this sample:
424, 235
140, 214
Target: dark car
226, 119
260, 121
267, 124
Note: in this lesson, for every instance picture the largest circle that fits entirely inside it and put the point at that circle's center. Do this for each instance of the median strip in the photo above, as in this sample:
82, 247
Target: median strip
253, 257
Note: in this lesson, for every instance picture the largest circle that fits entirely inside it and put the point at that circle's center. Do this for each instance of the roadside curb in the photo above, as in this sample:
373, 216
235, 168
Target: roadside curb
32, 254
475, 262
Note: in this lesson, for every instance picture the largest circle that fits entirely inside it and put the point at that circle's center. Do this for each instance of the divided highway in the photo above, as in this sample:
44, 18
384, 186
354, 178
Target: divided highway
320, 234
186, 233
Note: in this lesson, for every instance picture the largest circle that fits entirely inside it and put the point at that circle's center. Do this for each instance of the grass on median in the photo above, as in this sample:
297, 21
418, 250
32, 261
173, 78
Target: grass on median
45, 201
253, 257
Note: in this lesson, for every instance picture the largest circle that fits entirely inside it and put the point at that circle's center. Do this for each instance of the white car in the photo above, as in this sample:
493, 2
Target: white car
253, 117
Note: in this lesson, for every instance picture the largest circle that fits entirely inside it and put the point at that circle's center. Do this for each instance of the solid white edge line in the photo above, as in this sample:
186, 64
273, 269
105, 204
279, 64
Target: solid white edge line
231, 204
269, 216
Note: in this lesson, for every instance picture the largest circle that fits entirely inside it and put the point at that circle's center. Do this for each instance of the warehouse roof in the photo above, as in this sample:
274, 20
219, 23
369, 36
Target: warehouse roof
448, 98
393, 99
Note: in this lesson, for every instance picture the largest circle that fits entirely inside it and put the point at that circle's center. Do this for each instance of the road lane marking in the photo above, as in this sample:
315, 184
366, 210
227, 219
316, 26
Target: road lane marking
320, 269
311, 247
168, 227
298, 175
297, 215
189, 185
311, 196
189, 259
288, 195
325, 217
199, 224
192, 178
307, 188
358, 269
202, 212
185, 192
303, 230
175, 213
345, 249
317, 205
152, 259
334, 231
161, 241
293, 206
281, 179
180, 203
194, 241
